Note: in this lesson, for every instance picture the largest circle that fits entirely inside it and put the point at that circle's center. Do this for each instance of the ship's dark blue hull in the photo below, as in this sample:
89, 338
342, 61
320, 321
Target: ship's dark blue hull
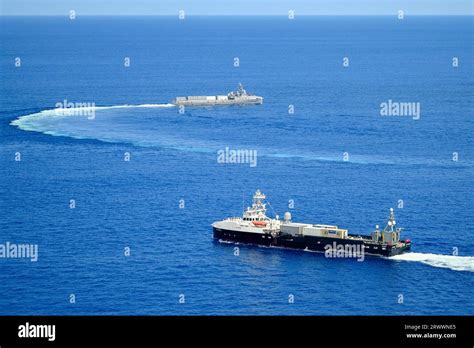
307, 242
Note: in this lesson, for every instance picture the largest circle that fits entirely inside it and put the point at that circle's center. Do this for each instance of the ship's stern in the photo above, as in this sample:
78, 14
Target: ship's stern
404, 246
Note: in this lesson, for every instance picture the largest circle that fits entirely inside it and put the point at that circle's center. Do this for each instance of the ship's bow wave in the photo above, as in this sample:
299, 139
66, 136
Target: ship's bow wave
456, 263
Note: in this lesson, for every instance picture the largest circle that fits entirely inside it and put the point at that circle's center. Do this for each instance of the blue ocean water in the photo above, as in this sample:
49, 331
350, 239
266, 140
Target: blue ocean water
136, 203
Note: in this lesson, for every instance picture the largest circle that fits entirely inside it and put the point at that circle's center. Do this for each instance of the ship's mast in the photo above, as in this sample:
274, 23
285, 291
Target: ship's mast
240, 90
391, 222
258, 204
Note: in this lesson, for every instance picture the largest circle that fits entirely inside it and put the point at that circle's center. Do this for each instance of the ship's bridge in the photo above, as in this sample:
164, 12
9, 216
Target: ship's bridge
257, 212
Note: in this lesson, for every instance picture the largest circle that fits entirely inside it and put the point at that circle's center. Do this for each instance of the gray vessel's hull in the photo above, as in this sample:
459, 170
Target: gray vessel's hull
214, 100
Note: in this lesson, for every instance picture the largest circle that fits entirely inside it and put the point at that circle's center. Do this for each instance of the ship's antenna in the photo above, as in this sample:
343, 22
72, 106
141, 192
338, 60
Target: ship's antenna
243, 204
273, 210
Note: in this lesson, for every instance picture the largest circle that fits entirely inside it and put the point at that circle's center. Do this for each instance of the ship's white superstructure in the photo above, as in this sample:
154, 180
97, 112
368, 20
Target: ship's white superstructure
253, 220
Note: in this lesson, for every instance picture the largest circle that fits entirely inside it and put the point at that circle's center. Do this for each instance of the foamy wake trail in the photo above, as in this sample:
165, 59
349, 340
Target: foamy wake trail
27, 122
456, 263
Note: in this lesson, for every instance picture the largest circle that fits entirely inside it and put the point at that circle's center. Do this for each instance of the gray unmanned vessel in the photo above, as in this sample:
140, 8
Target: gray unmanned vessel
235, 97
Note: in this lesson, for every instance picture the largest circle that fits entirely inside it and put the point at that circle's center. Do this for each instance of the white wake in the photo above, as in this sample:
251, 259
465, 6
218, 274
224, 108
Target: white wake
456, 263
27, 122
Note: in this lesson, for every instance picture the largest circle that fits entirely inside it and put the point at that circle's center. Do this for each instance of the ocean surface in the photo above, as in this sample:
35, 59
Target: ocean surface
335, 160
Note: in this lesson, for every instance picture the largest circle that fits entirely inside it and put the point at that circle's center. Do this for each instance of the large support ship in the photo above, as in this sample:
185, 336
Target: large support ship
254, 227
240, 96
